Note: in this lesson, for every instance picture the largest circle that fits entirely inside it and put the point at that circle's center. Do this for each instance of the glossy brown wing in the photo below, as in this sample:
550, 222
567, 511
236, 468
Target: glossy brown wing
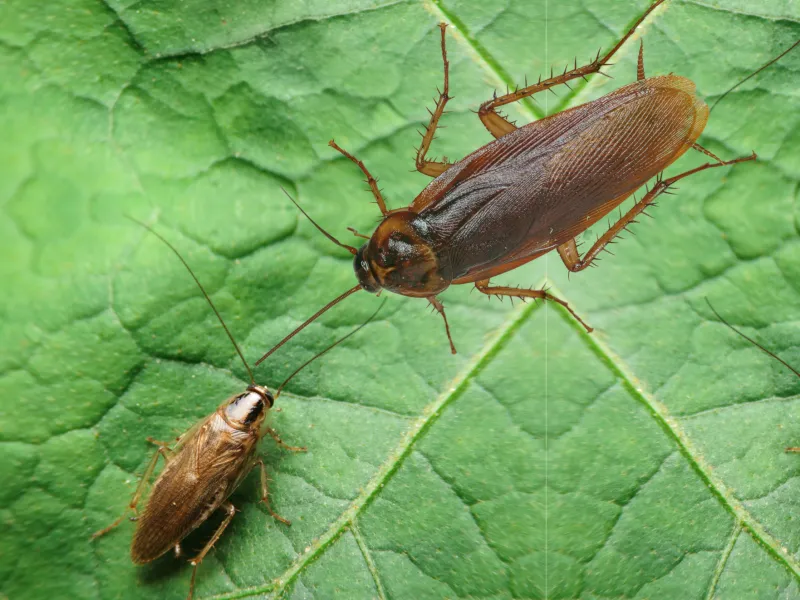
510, 151
545, 183
528, 254
195, 482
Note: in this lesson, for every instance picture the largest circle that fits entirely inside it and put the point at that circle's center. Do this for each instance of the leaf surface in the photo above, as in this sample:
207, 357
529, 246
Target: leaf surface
643, 461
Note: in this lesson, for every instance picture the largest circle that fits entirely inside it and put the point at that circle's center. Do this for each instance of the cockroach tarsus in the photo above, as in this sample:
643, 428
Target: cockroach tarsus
206, 464
530, 191
793, 449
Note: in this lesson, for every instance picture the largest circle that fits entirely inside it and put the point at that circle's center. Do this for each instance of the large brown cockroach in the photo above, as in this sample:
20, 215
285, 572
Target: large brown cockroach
205, 466
533, 189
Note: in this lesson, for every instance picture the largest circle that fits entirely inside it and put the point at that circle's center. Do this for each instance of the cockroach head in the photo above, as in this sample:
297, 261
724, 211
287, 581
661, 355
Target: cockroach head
363, 272
249, 409
400, 257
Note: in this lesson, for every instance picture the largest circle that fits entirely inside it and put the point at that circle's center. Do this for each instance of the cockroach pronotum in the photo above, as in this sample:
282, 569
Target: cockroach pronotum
793, 449
206, 465
532, 190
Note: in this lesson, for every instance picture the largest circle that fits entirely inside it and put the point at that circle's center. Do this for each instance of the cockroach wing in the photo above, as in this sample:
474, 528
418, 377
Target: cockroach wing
541, 185
198, 478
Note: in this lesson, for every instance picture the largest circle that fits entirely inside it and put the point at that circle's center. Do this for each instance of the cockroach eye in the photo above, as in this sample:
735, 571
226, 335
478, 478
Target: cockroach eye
364, 274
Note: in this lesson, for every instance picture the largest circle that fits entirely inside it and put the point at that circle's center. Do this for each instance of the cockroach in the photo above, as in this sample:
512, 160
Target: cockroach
793, 449
532, 190
206, 465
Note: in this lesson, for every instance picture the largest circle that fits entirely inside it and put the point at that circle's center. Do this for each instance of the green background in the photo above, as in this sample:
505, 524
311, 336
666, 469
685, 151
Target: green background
642, 461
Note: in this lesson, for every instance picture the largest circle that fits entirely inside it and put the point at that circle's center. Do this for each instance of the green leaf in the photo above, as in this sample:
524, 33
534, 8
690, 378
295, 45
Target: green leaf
645, 460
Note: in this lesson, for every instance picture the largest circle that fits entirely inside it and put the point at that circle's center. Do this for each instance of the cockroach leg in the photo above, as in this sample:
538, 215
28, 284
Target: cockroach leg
357, 234
499, 126
484, 287
265, 494
373, 183
437, 304
162, 450
195, 562
163, 447
640, 63
113, 525
426, 167
274, 435
569, 253
708, 153
158, 443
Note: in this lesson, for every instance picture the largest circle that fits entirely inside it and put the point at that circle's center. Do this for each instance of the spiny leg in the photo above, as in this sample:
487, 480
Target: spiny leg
274, 435
163, 450
708, 153
640, 63
568, 250
484, 287
424, 166
498, 126
195, 562
373, 183
265, 494
569, 254
437, 304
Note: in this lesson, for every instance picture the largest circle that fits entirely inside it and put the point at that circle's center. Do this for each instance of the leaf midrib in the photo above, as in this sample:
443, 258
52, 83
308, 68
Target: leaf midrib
742, 516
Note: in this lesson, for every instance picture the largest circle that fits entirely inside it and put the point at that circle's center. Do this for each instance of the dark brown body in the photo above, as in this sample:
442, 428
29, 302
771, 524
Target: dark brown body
208, 464
533, 189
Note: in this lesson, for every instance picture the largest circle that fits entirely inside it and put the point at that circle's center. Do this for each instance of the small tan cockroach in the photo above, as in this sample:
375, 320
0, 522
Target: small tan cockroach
533, 189
206, 465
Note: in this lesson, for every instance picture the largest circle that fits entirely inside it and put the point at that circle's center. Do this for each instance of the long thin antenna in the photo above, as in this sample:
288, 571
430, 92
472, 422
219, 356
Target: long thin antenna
752, 341
350, 249
754, 73
333, 345
202, 289
309, 320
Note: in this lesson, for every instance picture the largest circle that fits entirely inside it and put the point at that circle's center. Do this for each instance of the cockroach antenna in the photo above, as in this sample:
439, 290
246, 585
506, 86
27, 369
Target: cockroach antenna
202, 289
350, 249
331, 347
753, 74
308, 321
752, 341
792, 449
